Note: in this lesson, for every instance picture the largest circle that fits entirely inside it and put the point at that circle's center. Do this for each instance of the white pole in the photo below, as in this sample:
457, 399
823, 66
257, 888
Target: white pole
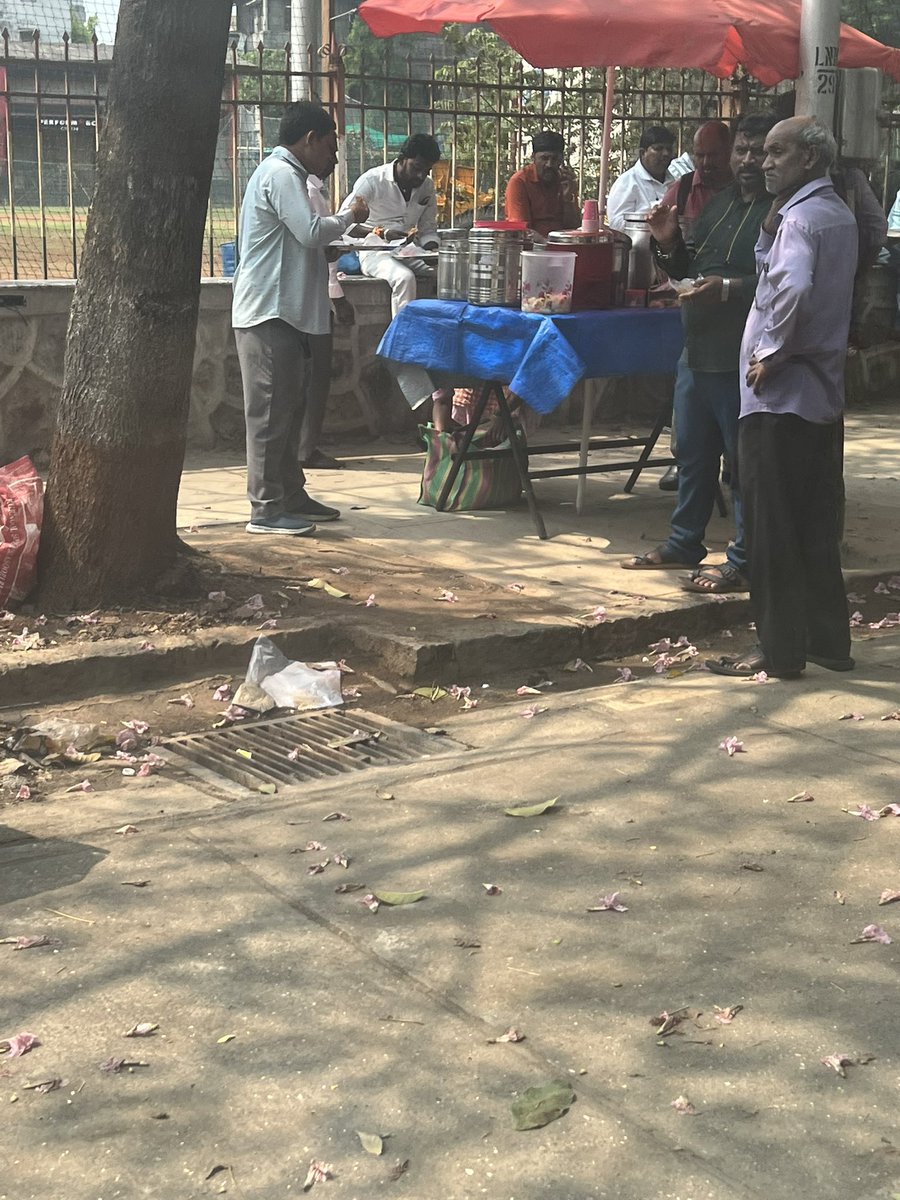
820, 24
305, 19
603, 186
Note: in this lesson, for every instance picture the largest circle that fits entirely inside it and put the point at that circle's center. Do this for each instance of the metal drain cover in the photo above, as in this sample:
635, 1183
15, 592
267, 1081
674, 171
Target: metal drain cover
301, 748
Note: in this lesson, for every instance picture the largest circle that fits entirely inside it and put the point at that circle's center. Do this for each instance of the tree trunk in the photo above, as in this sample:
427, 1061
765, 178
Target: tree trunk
118, 449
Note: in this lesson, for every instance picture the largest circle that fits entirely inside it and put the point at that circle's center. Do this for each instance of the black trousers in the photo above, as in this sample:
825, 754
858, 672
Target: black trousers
791, 484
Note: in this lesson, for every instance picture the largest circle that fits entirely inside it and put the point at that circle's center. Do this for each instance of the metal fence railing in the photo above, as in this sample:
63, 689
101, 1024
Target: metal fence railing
52, 99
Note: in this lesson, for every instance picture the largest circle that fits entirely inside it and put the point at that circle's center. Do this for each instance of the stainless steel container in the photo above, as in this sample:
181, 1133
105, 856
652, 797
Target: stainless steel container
453, 264
495, 249
641, 268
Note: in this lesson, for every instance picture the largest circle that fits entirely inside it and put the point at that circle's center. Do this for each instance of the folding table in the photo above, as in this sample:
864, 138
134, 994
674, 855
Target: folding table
540, 358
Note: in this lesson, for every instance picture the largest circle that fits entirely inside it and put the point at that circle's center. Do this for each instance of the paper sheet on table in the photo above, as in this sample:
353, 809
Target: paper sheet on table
275, 681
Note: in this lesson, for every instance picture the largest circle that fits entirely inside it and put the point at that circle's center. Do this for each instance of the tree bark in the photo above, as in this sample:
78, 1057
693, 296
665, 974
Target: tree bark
118, 448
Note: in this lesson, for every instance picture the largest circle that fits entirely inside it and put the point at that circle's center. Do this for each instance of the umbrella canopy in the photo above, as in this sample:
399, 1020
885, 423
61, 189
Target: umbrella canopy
763, 36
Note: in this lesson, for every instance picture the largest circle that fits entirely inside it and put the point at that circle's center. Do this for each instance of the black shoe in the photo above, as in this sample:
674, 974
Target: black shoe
669, 481
311, 510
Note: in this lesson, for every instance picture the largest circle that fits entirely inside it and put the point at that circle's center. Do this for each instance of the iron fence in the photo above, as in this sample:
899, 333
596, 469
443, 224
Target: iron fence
482, 112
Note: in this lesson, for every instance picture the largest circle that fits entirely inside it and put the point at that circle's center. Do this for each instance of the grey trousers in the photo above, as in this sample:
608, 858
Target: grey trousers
317, 392
274, 366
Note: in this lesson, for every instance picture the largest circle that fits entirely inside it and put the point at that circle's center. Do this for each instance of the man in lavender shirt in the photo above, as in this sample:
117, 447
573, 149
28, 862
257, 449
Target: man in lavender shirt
792, 401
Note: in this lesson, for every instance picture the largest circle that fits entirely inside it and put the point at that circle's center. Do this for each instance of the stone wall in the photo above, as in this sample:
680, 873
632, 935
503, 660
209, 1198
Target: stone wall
364, 400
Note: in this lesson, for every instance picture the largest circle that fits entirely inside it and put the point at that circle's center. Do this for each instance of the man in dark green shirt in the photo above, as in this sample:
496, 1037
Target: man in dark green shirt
707, 392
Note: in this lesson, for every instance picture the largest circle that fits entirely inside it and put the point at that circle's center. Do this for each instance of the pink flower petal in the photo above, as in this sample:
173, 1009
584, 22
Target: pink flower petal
732, 746
874, 933
610, 903
18, 1045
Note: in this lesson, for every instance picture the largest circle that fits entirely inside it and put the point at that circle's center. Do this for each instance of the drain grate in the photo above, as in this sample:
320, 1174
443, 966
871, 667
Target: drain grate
322, 744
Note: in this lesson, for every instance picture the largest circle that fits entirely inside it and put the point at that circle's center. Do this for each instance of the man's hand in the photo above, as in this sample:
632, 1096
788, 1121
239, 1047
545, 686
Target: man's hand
772, 218
663, 224
568, 183
705, 291
359, 210
344, 312
757, 373
395, 235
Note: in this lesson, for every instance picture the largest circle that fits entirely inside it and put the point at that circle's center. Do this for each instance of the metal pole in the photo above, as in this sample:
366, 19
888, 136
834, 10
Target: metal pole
820, 26
602, 188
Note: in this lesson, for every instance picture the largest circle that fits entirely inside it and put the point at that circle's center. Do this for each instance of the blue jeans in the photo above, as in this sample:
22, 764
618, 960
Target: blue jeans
706, 405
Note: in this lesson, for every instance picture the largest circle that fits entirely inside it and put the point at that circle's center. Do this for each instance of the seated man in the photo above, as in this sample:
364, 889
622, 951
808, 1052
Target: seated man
643, 185
543, 194
400, 196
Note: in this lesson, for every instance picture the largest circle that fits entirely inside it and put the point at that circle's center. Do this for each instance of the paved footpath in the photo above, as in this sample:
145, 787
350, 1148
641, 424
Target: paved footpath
290, 1016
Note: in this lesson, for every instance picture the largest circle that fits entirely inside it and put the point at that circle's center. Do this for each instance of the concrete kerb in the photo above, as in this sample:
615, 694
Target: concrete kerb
119, 664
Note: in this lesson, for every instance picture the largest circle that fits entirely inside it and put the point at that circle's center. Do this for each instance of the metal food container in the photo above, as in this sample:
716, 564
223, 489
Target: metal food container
641, 267
495, 250
453, 264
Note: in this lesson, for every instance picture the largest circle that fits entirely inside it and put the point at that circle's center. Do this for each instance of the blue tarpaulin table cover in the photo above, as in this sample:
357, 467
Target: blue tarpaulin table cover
539, 357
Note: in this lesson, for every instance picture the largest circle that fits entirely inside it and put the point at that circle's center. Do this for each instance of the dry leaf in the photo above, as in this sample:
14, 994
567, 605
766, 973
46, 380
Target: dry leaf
512, 1035
539, 1106
371, 1142
336, 816
837, 1062
45, 1086
142, 1029
492, 889
467, 943
800, 798
318, 1173
343, 888
683, 1107
888, 897
226, 1037
531, 810
851, 716
396, 898
400, 1167
578, 664
610, 903
9, 766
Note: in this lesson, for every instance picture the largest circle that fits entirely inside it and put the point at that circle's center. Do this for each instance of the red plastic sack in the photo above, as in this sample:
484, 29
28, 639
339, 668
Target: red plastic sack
21, 513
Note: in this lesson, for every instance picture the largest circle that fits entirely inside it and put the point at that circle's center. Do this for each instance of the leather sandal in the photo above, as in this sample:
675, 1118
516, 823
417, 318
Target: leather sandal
659, 559
746, 666
721, 580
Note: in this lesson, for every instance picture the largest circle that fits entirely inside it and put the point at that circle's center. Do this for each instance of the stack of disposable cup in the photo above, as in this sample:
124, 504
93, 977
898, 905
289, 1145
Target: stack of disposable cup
590, 217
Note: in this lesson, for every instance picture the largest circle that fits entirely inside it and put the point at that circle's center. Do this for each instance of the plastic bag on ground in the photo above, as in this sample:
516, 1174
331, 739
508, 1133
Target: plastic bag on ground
21, 513
287, 683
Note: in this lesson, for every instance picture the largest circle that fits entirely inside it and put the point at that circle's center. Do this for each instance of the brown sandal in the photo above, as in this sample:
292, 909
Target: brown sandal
721, 580
659, 559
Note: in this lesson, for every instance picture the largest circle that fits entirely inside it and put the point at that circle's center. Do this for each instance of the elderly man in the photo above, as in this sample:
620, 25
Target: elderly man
707, 386
792, 401
280, 301
401, 197
543, 194
643, 185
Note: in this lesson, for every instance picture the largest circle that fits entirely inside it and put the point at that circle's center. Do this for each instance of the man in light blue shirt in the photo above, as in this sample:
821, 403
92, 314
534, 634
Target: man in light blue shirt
792, 402
280, 299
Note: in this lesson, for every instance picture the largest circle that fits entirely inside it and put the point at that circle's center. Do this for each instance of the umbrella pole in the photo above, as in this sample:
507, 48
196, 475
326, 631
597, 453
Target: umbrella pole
603, 187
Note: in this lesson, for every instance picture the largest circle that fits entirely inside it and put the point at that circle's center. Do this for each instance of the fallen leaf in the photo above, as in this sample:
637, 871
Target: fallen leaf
888, 897
726, 1015
751, 866
431, 693
683, 1107
216, 1170
142, 1029
852, 716
538, 1106
318, 1173
267, 789
892, 716
18, 1045
226, 1037
395, 898
124, 830
400, 1167
329, 589
531, 810
370, 1142
336, 816
873, 933
597, 615
492, 889
340, 570
800, 798
447, 597
840, 897
27, 943
610, 903
9, 766
512, 1035
732, 746
837, 1062
73, 754
343, 888
578, 664
864, 811
534, 711
45, 1086
384, 795
185, 701
467, 943
317, 868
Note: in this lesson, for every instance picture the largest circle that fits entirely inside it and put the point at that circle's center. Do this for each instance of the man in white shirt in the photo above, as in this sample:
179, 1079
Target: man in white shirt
642, 186
280, 299
401, 197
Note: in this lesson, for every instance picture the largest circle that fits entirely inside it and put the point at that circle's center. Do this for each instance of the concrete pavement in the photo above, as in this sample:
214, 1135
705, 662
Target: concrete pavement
734, 897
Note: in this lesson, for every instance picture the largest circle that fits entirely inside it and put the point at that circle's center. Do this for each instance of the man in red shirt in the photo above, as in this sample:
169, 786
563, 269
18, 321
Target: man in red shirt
690, 194
544, 193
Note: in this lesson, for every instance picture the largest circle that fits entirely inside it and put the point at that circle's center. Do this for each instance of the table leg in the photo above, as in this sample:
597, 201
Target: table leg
460, 453
521, 464
593, 391
661, 420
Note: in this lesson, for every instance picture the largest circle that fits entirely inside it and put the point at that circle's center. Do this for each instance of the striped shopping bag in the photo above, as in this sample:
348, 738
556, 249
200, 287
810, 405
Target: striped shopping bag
489, 480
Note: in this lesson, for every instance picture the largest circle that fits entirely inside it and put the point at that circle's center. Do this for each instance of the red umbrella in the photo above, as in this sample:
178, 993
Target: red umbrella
763, 36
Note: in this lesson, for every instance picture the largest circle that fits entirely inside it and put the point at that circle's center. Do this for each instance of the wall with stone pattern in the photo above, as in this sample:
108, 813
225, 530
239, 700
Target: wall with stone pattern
364, 399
